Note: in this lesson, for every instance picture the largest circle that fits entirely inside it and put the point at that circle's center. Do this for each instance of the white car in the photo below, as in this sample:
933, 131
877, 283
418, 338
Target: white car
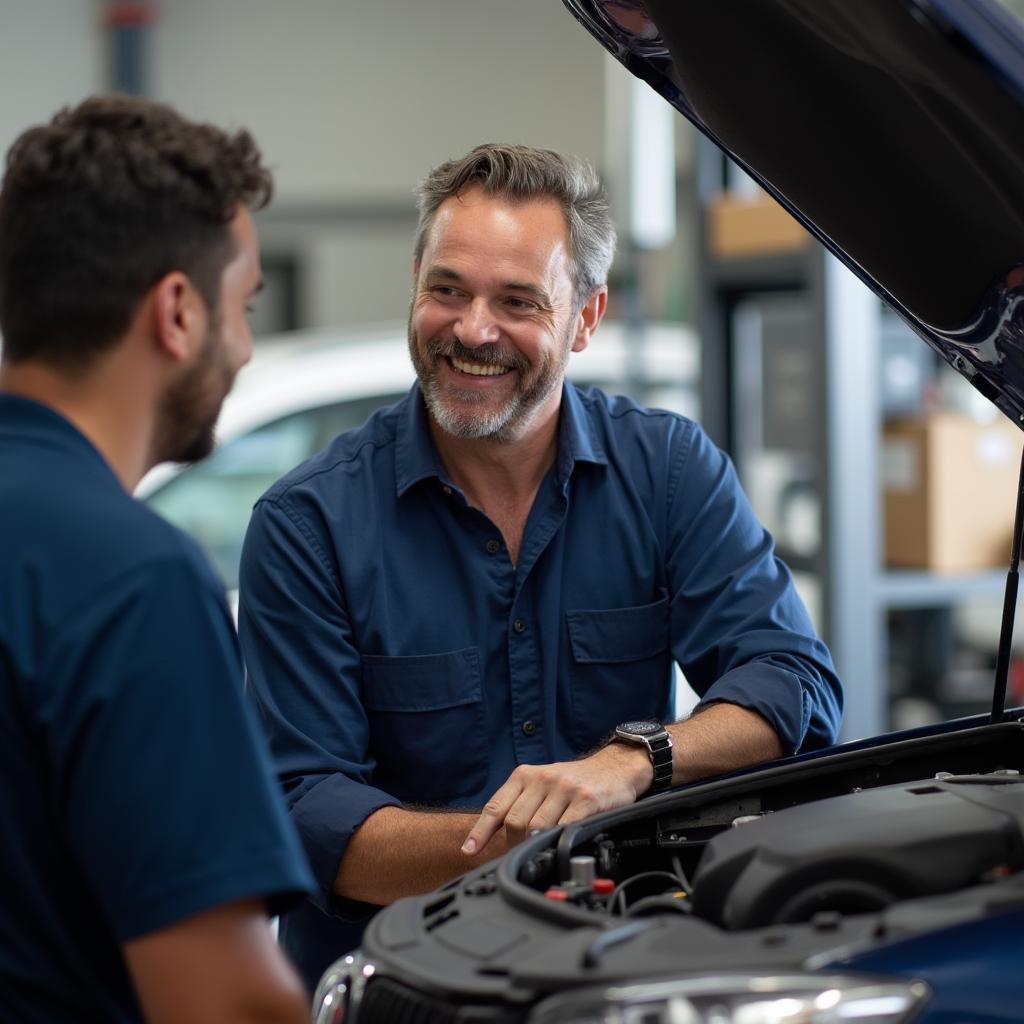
304, 388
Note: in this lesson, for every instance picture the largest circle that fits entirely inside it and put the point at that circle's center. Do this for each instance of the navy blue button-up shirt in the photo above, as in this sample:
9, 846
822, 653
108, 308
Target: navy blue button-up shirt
397, 655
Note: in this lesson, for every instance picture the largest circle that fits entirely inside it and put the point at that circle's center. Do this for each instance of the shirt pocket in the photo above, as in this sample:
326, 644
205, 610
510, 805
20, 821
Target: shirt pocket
621, 668
425, 715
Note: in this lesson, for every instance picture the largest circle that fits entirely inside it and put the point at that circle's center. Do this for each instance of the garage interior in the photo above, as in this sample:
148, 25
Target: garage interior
841, 423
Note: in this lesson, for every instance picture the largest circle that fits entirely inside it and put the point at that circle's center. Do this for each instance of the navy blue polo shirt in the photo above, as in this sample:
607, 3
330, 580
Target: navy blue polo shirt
135, 791
397, 655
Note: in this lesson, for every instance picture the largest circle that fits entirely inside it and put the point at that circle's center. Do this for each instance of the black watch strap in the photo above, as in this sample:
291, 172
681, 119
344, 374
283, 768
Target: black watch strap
660, 750
655, 737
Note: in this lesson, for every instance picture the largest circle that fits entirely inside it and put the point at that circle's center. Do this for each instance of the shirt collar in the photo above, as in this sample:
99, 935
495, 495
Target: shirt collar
29, 419
417, 459
577, 438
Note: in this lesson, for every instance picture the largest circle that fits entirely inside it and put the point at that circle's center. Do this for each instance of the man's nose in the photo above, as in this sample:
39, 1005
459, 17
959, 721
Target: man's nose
477, 326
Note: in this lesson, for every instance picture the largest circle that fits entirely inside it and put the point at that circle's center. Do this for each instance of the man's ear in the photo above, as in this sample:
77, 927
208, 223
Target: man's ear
180, 316
589, 317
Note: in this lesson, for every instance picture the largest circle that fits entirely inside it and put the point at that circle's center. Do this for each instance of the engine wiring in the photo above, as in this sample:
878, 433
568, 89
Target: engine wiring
658, 889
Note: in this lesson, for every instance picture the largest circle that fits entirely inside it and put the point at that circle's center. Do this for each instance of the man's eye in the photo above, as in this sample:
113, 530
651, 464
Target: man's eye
521, 305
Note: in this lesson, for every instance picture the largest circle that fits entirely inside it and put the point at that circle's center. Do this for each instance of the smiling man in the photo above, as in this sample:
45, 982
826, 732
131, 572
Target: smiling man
474, 600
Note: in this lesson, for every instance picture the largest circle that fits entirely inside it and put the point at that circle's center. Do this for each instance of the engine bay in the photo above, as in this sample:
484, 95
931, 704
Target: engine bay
817, 863
849, 835
739, 866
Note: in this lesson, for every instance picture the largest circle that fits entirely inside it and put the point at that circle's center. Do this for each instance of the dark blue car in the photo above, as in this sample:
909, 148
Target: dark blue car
879, 882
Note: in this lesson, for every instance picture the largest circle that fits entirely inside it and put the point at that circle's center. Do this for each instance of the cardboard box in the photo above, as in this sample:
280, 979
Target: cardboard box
949, 492
751, 226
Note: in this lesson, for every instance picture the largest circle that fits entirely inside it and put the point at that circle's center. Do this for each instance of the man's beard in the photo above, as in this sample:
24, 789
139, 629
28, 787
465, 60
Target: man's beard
189, 408
461, 412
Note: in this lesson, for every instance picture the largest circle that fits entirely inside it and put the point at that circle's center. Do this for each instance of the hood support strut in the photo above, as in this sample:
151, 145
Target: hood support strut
1009, 605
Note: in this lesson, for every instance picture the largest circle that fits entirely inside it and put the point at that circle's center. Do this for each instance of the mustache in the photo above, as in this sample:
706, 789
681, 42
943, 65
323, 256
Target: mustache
489, 355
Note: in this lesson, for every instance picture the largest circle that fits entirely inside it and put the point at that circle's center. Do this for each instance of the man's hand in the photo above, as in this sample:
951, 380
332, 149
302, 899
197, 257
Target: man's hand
541, 796
401, 851
721, 738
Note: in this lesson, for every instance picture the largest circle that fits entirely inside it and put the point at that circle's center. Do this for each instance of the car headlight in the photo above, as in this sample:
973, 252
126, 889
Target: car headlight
740, 999
341, 989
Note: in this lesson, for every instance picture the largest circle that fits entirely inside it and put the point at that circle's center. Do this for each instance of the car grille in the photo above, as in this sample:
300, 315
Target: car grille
386, 1001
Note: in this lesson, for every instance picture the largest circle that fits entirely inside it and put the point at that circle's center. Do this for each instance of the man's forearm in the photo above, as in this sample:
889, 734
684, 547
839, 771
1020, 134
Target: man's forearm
400, 852
721, 738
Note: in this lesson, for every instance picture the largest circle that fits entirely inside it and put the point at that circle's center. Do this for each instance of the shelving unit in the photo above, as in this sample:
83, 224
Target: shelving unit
804, 310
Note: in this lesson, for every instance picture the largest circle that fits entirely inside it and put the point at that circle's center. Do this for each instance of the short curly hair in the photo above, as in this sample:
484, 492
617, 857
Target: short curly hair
99, 204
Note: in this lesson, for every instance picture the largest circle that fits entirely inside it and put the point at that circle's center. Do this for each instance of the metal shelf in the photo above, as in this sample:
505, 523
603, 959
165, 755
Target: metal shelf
919, 589
846, 324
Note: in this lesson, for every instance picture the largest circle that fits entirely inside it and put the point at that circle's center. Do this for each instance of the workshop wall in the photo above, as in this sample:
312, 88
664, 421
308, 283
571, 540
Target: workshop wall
351, 102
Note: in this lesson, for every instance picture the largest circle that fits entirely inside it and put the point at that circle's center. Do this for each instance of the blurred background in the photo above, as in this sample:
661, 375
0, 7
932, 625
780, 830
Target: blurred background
351, 103
721, 308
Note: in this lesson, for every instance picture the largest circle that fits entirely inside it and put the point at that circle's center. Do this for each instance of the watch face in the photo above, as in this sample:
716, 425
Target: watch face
641, 727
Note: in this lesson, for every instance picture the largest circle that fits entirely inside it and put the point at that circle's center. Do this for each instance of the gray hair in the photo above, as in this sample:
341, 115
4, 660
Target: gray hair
521, 173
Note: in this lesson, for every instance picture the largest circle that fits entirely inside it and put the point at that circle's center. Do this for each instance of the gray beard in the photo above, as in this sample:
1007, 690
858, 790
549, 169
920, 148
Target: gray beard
502, 425
498, 425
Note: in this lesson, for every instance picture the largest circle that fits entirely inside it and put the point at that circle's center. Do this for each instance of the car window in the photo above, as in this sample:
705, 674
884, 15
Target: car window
212, 500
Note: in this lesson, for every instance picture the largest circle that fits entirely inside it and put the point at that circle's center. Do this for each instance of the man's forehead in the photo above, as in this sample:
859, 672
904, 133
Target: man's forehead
472, 208
472, 224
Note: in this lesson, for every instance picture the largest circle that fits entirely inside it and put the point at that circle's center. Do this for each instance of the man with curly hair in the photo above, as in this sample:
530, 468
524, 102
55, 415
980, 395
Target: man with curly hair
145, 841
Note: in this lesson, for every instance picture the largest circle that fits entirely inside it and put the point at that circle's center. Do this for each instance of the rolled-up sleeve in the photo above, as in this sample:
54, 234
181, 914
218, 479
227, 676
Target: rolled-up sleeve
304, 677
739, 629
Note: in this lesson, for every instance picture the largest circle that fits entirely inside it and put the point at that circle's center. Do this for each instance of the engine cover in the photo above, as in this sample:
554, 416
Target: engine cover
862, 851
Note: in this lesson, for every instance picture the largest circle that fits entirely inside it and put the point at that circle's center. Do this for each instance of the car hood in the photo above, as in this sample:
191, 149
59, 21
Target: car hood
891, 129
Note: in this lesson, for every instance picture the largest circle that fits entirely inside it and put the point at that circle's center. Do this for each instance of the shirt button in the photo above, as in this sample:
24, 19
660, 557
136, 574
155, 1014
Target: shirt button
519, 626
493, 547
529, 727
446, 489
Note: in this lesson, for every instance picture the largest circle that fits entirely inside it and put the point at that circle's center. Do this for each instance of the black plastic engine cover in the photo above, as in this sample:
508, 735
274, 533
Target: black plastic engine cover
861, 851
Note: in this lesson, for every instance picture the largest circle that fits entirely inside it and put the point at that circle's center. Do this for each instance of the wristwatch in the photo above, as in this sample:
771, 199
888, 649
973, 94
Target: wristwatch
655, 737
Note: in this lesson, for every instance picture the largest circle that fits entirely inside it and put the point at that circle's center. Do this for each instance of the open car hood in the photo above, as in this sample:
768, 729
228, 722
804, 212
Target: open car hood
893, 130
